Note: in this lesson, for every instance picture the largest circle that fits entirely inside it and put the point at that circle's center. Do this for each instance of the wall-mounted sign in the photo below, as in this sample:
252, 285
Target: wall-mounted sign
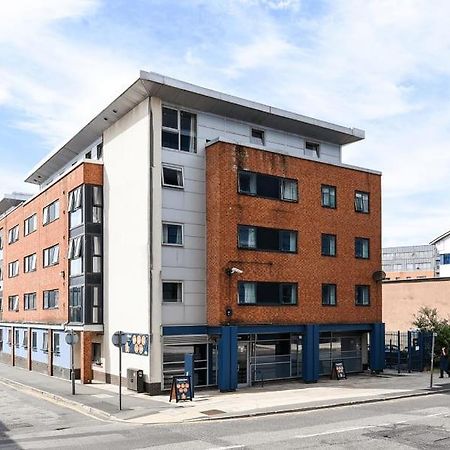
136, 343
181, 389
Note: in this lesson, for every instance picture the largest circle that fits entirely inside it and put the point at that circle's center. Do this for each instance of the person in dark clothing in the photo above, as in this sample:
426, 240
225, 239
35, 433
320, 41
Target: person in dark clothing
443, 362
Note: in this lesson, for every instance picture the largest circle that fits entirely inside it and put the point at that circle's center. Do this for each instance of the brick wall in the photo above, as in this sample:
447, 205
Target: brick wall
54, 277
226, 208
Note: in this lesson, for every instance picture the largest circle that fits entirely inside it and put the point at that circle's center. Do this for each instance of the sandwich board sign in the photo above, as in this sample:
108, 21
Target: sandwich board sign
338, 371
181, 389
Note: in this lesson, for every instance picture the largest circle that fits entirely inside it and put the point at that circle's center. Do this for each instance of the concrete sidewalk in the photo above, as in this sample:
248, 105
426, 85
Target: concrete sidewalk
101, 400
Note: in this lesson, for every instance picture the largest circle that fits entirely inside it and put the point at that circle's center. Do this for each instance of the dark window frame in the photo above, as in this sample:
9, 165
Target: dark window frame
322, 197
176, 168
279, 180
175, 302
368, 247
179, 131
48, 208
46, 304
356, 295
326, 286
26, 301
261, 284
362, 211
335, 245
258, 249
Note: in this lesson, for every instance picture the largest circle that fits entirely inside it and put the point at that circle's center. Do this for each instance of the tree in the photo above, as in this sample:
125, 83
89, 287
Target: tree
427, 319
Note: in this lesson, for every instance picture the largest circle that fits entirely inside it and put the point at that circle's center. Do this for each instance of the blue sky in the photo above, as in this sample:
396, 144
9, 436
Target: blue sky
381, 66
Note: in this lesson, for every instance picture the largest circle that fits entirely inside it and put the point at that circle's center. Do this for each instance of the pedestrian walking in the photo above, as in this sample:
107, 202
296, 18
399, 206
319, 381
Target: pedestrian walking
443, 362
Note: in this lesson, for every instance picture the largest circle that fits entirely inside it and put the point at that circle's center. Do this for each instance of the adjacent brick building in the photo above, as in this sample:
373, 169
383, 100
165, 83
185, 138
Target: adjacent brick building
199, 224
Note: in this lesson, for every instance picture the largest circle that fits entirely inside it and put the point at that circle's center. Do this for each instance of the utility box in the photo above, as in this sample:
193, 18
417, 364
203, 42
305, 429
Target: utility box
135, 380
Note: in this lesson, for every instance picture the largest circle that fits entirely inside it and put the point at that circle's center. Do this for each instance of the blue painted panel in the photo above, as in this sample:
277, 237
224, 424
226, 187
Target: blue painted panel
39, 354
6, 347
21, 351
249, 329
339, 327
311, 354
182, 330
377, 357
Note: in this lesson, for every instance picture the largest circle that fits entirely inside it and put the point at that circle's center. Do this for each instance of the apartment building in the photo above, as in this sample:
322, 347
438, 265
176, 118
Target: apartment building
198, 223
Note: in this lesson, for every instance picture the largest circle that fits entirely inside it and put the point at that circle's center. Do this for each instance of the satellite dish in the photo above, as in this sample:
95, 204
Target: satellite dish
379, 275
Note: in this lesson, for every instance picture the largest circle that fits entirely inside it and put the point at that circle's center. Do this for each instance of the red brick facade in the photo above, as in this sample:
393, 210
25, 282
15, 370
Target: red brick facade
226, 208
49, 278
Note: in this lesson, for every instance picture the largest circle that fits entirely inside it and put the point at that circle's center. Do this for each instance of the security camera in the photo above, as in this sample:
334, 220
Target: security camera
233, 270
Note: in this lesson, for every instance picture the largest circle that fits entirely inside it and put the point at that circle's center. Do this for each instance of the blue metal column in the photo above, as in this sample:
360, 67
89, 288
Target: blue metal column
189, 369
310, 353
377, 347
227, 364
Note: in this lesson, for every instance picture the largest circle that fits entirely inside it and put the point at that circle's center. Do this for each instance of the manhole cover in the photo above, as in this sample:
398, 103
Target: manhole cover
212, 412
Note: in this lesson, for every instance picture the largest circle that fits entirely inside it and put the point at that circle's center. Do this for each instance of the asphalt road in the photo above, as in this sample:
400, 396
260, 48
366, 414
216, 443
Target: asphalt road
29, 422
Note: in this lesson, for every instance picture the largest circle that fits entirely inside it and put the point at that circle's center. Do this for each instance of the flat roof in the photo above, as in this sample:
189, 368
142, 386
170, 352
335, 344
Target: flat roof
207, 100
12, 200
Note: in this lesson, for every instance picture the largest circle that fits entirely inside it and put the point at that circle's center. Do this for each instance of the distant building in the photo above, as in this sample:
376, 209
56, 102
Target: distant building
418, 261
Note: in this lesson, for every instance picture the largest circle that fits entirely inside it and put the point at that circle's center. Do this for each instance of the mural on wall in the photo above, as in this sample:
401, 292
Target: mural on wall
136, 343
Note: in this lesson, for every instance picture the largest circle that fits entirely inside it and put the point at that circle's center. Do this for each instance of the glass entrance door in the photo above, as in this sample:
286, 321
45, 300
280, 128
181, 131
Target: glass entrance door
243, 364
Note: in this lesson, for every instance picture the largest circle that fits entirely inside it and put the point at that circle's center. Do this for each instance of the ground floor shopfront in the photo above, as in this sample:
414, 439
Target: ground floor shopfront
235, 356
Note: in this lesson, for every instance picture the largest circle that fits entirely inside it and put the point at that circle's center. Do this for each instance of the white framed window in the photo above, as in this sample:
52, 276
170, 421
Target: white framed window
257, 137
179, 130
25, 339
44, 347
13, 234
172, 233
312, 149
51, 299
75, 255
172, 291
51, 212
13, 303
29, 263
172, 176
30, 225
51, 256
96, 254
34, 341
13, 269
56, 344
75, 207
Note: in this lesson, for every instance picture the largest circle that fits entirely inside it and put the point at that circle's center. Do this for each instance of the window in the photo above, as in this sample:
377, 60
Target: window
259, 238
97, 353
75, 207
96, 307
9, 337
45, 342
172, 177
13, 235
362, 248
29, 301
51, 212
51, 299
30, 225
179, 130
76, 255
96, 254
257, 137
312, 149
1, 303
13, 269
51, 256
328, 196
445, 258
29, 263
25, 339
361, 202
34, 341
265, 293
97, 204
1, 339
328, 245
76, 304
362, 295
268, 186
329, 294
13, 303
56, 344
172, 234
172, 292
17, 338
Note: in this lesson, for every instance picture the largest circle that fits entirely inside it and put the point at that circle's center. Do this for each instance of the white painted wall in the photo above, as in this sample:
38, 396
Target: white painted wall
126, 233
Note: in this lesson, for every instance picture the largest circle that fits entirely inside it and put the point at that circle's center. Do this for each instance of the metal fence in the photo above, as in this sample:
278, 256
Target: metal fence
407, 351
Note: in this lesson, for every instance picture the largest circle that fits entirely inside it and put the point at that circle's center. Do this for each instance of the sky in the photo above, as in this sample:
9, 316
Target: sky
382, 66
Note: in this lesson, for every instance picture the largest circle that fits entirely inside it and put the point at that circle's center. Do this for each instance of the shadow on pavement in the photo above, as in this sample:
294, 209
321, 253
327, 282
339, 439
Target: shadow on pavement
5, 441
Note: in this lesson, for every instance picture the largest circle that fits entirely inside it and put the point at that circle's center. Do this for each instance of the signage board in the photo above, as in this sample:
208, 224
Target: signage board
71, 338
181, 389
136, 343
338, 371
117, 337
